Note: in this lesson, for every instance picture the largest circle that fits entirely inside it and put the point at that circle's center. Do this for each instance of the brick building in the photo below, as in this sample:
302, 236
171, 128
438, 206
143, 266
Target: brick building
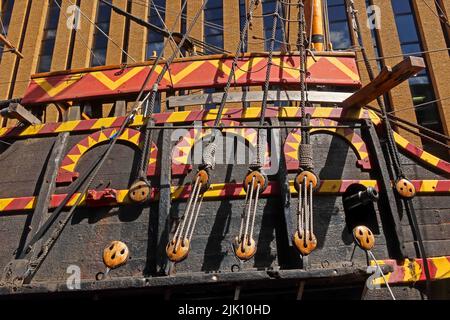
41, 30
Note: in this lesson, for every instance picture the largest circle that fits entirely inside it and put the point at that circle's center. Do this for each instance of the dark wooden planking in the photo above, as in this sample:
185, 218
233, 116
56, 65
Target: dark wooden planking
162, 229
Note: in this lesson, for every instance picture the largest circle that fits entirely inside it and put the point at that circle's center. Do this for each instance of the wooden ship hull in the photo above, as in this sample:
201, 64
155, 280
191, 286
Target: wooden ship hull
58, 238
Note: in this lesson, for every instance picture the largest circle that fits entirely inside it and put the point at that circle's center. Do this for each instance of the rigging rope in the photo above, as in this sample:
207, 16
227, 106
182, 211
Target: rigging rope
393, 151
256, 181
88, 176
306, 181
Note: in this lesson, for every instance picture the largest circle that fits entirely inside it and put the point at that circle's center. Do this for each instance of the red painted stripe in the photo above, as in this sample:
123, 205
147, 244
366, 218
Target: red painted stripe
85, 125
18, 204
444, 165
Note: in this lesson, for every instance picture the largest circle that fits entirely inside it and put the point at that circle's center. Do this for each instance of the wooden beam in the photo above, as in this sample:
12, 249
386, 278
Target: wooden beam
257, 96
17, 111
388, 79
10, 46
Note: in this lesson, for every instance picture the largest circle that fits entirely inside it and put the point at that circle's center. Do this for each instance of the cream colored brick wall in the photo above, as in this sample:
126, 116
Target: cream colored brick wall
438, 62
84, 36
138, 34
390, 46
116, 34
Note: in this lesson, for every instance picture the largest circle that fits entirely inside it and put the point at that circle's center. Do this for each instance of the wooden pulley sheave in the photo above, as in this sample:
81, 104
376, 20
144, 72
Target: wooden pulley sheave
139, 191
364, 237
405, 188
244, 245
115, 255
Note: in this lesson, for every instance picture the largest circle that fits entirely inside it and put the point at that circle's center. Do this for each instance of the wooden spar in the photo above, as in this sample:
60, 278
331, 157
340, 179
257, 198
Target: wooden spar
9, 45
16, 111
257, 96
317, 26
388, 79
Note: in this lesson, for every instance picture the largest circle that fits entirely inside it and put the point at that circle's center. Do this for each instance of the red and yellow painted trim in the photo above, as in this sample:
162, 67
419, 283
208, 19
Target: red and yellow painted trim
412, 150
179, 117
424, 156
67, 173
229, 190
412, 270
294, 138
189, 74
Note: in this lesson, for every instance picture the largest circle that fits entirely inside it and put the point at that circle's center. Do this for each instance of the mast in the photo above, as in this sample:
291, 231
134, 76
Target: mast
318, 37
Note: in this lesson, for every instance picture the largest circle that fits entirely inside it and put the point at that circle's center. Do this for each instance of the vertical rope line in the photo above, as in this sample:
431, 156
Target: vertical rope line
299, 212
254, 212
247, 223
196, 216
243, 35
186, 212
244, 211
194, 208
311, 216
267, 82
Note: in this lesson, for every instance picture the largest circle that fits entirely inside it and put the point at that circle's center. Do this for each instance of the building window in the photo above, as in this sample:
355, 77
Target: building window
242, 19
421, 87
100, 45
48, 40
156, 16
269, 8
213, 24
5, 14
339, 26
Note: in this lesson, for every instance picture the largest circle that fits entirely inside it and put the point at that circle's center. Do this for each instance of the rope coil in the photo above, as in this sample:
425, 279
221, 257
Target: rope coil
305, 156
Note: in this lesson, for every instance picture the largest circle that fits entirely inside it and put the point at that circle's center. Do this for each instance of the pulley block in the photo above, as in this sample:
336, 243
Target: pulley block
115, 254
177, 251
308, 177
259, 179
139, 191
245, 250
405, 188
305, 244
364, 238
203, 179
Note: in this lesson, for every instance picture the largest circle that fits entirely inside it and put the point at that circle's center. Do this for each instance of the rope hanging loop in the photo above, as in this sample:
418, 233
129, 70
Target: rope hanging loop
364, 237
405, 188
